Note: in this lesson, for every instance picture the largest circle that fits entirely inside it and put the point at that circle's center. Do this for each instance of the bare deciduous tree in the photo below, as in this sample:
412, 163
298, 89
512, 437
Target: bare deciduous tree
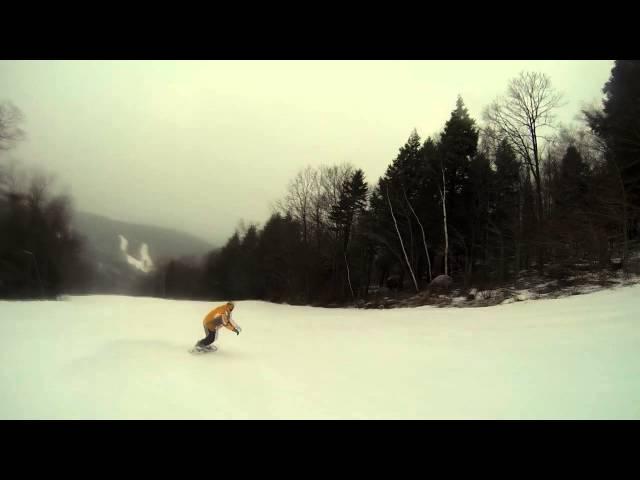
12, 179
331, 180
424, 238
39, 189
413, 277
298, 199
523, 116
10, 119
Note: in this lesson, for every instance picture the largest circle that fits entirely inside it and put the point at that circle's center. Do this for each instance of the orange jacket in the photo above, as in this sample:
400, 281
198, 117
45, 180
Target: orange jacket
220, 317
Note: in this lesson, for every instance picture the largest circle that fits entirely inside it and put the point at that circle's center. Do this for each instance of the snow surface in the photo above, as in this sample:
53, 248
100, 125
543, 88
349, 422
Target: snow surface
145, 259
124, 243
144, 264
114, 357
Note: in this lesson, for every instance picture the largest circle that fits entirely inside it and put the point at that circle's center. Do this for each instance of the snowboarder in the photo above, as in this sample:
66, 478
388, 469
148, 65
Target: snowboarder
217, 318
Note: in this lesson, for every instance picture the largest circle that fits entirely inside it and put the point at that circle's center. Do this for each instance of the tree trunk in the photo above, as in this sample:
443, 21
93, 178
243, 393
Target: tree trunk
348, 275
625, 226
415, 283
424, 240
443, 194
369, 265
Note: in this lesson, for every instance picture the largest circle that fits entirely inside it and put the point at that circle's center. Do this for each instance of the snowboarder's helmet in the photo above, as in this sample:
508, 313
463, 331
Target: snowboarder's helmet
231, 305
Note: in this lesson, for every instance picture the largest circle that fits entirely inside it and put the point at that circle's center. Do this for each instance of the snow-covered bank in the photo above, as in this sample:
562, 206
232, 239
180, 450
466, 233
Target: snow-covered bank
112, 357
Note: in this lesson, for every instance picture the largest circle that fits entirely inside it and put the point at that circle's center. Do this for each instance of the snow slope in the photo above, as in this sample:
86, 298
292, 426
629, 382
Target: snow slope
111, 357
144, 264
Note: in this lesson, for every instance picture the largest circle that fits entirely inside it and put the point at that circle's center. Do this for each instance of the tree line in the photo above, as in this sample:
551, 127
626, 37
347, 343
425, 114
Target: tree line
481, 201
40, 253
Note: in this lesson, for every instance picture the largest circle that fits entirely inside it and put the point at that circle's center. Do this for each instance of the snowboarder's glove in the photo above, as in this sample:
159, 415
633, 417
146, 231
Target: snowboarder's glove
237, 332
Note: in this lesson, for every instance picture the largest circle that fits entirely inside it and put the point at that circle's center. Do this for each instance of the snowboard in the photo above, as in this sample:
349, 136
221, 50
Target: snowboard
202, 350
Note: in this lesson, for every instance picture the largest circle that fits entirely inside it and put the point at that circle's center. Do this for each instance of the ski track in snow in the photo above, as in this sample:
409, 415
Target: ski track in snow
144, 264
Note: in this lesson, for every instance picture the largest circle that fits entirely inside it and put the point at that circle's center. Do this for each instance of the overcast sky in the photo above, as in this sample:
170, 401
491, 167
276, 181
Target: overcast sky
197, 146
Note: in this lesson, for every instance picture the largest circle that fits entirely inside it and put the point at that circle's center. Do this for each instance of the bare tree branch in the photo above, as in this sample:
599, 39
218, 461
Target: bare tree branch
10, 118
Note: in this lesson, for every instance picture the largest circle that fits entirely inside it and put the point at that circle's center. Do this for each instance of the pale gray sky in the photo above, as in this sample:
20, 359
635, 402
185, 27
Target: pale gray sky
199, 145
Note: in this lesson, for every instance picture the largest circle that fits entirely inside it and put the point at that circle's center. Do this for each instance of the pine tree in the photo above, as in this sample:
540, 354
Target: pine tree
618, 125
458, 145
504, 221
352, 203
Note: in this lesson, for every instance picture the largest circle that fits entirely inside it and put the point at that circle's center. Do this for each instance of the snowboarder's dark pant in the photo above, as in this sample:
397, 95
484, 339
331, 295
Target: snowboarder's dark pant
209, 339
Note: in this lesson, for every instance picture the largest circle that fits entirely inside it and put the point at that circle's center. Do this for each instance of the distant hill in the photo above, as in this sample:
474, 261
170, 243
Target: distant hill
122, 252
